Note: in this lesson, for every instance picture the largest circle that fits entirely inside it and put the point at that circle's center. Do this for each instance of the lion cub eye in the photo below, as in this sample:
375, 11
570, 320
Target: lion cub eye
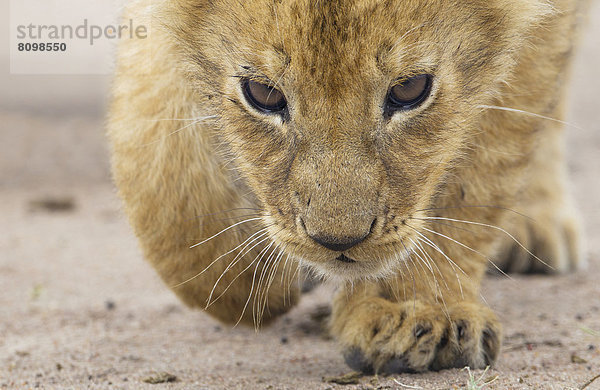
264, 98
409, 93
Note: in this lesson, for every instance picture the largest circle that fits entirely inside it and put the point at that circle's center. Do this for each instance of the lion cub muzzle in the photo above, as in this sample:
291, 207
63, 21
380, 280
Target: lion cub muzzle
337, 201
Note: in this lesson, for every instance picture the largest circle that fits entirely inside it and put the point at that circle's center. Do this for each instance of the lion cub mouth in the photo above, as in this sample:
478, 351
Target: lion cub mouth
345, 259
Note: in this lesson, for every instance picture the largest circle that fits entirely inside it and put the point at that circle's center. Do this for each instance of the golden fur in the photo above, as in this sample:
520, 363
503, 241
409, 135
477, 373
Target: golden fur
444, 190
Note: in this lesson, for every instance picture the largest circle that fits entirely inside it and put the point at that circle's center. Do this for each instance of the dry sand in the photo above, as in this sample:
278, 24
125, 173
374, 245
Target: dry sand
79, 308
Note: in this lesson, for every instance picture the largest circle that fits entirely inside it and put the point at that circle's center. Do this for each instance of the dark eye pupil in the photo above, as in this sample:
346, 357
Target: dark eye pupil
263, 97
410, 93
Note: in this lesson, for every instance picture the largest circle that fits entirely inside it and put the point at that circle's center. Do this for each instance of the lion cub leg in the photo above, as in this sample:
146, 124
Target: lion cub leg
413, 324
551, 229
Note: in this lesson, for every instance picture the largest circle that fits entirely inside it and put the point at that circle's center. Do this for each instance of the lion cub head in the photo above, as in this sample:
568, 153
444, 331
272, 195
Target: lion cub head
344, 117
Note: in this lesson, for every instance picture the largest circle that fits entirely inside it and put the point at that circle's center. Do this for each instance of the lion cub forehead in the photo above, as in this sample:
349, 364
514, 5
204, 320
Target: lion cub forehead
333, 35
329, 38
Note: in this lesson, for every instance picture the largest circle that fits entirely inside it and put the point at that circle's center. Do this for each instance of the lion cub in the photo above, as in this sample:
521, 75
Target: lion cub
396, 147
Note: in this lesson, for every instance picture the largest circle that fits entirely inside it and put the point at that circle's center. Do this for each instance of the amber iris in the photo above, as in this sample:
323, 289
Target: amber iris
410, 92
263, 97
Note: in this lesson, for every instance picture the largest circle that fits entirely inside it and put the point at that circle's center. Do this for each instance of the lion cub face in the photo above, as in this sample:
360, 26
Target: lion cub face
344, 117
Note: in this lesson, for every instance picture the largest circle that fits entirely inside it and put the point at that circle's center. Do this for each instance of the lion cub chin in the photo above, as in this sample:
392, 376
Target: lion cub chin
398, 147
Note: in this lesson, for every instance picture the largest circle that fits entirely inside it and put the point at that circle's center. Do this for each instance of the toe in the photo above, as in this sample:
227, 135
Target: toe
356, 360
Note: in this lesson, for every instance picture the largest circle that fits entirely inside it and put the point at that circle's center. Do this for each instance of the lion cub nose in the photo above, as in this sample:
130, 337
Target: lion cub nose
340, 244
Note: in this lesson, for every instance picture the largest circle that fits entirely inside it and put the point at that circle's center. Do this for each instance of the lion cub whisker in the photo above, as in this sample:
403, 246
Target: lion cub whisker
431, 260
533, 114
226, 229
272, 265
256, 258
439, 292
452, 263
258, 212
475, 206
471, 249
495, 228
195, 122
263, 232
236, 259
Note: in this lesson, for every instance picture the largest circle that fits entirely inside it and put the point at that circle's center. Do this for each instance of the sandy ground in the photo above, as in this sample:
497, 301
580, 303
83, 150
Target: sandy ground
79, 308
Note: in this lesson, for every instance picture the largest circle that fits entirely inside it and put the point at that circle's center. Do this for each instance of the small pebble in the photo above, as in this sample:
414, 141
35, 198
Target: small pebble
52, 205
352, 378
160, 377
577, 359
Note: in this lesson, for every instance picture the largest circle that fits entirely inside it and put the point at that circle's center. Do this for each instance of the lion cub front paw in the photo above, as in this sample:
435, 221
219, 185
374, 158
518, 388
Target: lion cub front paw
379, 336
